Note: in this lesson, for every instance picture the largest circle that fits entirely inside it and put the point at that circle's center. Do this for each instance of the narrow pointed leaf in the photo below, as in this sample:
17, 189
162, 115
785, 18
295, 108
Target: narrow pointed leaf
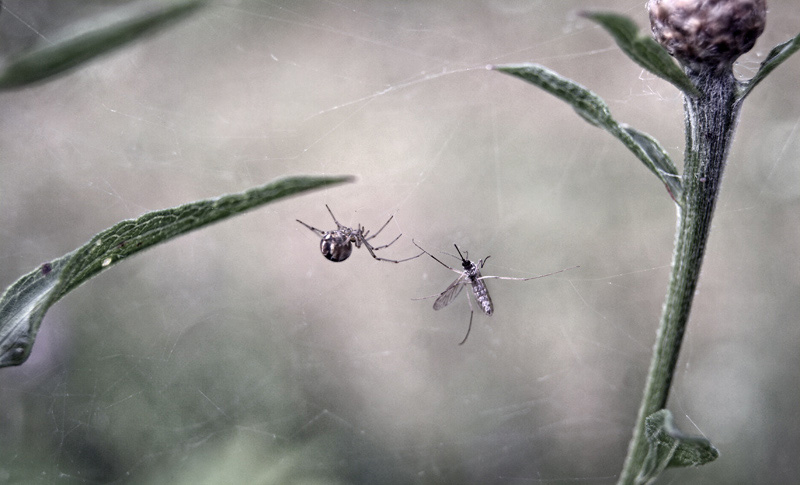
670, 447
593, 109
660, 158
25, 302
774, 59
41, 63
643, 49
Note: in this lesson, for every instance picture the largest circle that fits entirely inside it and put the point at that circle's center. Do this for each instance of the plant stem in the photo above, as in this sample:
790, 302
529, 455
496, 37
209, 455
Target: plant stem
710, 124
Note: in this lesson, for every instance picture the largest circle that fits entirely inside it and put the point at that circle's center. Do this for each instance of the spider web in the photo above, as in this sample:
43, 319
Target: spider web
238, 354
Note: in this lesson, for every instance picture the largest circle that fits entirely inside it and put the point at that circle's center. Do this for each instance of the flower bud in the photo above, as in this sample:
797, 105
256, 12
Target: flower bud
707, 34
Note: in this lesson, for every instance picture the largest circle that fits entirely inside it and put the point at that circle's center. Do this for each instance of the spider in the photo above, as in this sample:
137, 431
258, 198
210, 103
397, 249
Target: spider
470, 274
337, 245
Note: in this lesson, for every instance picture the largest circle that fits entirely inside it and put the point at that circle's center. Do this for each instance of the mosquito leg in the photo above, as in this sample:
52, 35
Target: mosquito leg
468, 328
526, 279
471, 314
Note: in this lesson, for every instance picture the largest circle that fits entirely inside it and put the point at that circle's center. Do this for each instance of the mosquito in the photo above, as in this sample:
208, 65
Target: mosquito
470, 274
337, 245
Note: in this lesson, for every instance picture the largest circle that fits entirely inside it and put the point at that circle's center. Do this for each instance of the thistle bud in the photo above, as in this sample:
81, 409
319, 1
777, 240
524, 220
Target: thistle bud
707, 34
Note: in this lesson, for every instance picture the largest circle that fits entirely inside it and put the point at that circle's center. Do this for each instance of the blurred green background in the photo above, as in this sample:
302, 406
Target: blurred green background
238, 354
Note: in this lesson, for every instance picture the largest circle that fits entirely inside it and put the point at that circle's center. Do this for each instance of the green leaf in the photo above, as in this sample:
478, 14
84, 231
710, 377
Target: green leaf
643, 50
44, 62
660, 158
25, 302
669, 447
774, 59
593, 109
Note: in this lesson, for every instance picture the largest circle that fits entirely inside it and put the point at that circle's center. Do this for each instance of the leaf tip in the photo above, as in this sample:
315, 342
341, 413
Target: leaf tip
342, 179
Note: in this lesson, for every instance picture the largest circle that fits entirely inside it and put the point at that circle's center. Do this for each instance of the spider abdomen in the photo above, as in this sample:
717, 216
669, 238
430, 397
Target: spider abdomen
335, 247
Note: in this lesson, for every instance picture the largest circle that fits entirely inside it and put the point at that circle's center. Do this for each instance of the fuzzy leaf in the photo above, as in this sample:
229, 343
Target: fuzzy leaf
660, 157
669, 447
25, 302
593, 109
775, 58
41, 63
643, 50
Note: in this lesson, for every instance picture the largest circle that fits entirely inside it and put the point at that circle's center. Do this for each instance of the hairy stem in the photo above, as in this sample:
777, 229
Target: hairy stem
710, 123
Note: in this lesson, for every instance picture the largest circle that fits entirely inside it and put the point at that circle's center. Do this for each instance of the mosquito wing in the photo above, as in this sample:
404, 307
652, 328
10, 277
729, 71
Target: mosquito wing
450, 293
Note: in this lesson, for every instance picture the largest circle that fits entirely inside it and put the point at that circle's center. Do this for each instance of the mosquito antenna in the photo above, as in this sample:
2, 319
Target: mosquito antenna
459, 253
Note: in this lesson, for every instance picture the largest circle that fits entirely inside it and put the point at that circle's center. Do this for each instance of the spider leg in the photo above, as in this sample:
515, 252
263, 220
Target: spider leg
372, 253
338, 225
320, 232
381, 229
385, 245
